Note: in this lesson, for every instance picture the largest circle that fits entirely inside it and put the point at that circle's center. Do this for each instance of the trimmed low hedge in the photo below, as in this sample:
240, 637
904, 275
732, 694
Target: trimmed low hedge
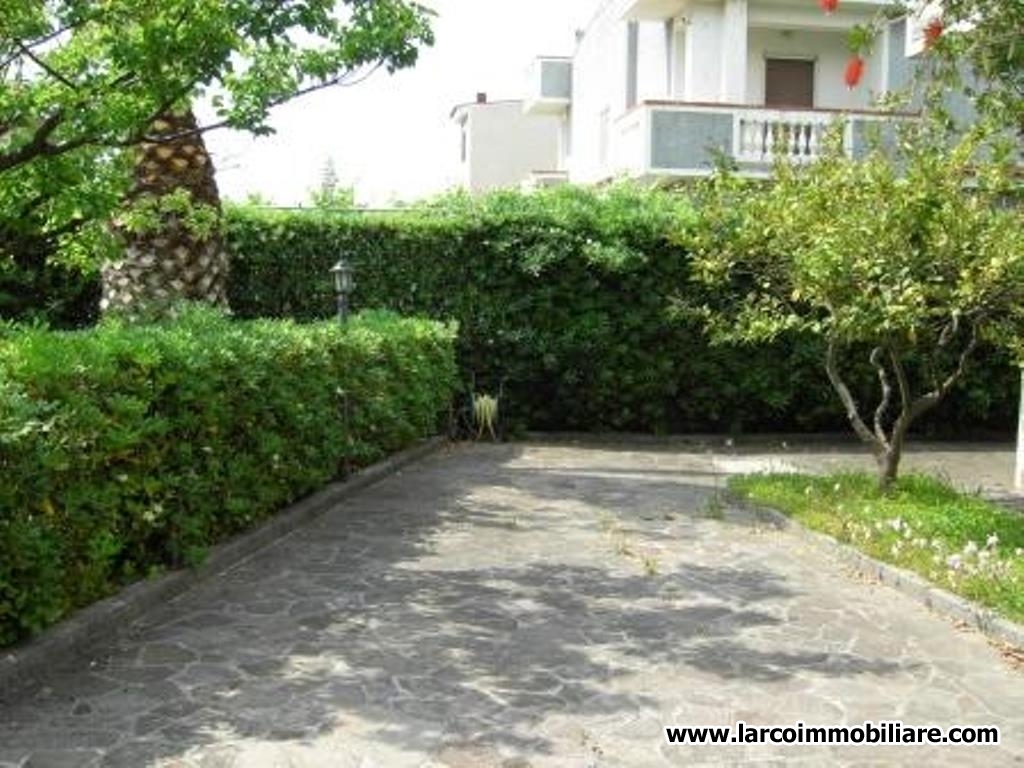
125, 450
564, 300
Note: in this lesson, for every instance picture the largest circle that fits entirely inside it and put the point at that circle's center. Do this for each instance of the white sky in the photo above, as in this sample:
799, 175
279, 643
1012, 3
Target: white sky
391, 136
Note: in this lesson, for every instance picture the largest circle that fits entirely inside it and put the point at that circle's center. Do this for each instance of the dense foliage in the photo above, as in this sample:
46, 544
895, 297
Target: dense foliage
918, 262
81, 84
124, 450
972, 48
564, 300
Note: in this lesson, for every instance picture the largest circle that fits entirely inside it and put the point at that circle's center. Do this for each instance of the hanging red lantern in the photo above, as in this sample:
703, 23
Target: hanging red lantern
828, 6
933, 32
854, 72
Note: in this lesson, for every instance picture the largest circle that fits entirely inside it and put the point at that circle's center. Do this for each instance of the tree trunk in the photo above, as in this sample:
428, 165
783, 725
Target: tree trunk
171, 263
888, 467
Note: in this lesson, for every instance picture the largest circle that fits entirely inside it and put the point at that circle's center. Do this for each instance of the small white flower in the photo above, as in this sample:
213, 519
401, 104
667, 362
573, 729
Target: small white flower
1019, 552
992, 541
896, 524
954, 562
970, 548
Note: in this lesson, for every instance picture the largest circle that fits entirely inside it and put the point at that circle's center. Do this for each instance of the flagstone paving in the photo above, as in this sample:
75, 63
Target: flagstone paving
520, 606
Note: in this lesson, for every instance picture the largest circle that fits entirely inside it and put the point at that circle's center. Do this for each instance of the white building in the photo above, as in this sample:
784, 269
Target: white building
502, 146
661, 88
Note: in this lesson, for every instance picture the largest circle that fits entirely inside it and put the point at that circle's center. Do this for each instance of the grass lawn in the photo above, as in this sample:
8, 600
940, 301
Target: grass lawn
959, 542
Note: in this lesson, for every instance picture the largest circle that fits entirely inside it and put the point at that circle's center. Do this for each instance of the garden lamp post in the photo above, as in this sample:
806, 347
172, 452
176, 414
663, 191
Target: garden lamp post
344, 283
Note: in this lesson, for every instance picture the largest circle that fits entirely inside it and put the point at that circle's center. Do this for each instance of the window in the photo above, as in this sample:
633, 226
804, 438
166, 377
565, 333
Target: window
462, 149
789, 83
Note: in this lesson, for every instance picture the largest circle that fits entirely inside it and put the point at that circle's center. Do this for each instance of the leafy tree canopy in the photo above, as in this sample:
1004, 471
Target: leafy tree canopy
987, 34
81, 81
984, 34
922, 257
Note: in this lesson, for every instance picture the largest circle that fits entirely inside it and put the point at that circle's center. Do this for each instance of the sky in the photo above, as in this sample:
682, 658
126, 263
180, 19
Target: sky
391, 136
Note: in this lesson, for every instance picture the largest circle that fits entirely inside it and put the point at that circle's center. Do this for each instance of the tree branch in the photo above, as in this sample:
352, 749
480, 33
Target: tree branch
36, 145
928, 401
902, 381
46, 67
339, 81
883, 405
23, 47
832, 368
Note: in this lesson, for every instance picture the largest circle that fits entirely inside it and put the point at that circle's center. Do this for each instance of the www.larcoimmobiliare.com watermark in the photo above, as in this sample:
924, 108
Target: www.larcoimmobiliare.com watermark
884, 732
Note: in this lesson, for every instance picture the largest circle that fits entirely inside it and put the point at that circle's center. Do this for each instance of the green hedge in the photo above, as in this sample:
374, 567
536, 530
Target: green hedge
124, 450
564, 298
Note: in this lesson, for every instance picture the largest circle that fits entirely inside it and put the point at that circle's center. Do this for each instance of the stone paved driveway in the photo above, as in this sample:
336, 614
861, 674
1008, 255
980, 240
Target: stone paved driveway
521, 606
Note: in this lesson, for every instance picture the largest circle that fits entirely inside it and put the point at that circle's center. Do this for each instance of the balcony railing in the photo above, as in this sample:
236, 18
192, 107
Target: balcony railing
674, 138
762, 135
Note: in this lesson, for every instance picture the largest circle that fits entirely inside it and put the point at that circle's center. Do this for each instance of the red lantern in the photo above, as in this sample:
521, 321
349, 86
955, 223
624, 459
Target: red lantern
933, 32
854, 72
828, 6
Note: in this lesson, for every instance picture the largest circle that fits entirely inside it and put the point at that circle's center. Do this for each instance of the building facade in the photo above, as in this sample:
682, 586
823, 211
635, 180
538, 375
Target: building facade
502, 146
665, 88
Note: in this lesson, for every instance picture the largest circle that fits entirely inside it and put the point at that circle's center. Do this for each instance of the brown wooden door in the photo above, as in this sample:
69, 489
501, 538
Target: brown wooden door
789, 83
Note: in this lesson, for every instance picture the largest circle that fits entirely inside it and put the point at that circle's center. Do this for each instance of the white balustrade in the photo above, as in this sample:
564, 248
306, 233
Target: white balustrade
761, 135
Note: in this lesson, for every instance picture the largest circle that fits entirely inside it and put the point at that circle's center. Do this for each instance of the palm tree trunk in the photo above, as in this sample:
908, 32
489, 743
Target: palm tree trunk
171, 262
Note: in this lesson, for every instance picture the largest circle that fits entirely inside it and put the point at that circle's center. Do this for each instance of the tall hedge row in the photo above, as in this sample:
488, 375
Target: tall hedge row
565, 302
124, 450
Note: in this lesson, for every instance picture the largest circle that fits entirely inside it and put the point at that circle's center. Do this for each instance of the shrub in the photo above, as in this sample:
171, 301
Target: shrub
563, 297
129, 449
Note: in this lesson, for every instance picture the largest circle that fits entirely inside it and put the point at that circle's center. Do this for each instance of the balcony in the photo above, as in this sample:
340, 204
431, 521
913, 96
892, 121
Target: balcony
760, 136
549, 88
670, 138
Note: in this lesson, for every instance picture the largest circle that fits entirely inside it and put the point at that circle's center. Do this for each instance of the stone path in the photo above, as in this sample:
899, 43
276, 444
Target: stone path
521, 606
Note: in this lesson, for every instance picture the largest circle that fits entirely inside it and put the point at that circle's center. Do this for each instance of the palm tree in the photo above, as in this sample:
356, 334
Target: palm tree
172, 261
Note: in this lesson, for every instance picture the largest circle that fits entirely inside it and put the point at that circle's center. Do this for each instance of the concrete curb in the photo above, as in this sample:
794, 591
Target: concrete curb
76, 635
939, 600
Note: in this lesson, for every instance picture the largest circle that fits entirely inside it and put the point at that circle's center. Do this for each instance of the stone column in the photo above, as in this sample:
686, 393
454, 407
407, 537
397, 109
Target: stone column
734, 52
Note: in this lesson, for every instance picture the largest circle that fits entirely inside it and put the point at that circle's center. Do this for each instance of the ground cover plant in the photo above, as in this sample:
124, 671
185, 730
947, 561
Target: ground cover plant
959, 542
129, 449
